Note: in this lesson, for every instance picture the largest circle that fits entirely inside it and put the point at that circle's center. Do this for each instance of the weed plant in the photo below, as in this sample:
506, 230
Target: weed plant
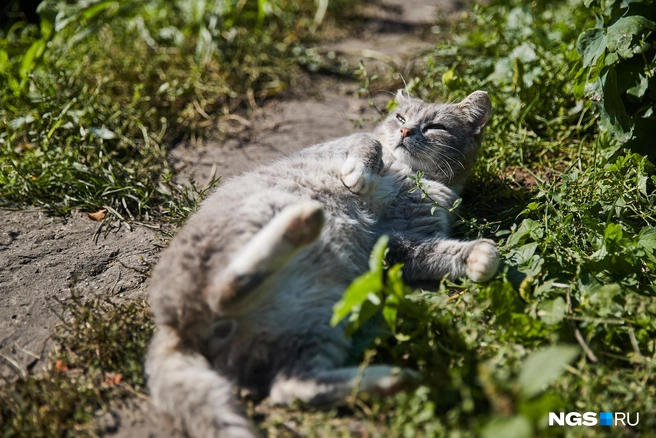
99, 353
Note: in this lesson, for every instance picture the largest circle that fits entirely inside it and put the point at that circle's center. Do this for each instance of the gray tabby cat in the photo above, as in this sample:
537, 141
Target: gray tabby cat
244, 294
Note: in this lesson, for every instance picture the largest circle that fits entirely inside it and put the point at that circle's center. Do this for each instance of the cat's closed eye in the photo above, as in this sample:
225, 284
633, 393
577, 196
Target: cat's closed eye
400, 118
436, 127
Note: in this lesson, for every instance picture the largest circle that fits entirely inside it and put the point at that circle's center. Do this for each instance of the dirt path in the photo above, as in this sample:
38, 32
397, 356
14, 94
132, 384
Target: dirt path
42, 258
320, 107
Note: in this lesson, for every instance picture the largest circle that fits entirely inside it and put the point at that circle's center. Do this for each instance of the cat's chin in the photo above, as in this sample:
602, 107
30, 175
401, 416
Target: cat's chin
402, 155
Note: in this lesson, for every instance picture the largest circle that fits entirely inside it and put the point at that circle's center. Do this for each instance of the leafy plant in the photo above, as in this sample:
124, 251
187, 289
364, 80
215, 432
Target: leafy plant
373, 292
619, 65
568, 325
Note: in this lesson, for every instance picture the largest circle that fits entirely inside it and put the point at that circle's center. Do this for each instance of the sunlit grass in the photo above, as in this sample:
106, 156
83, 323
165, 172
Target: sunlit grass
94, 97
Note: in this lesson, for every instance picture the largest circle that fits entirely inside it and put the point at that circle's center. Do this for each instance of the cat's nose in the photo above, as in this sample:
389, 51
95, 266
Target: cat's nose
406, 132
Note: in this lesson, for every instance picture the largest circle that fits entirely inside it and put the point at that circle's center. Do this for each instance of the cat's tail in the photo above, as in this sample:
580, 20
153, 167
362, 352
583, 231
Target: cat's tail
196, 397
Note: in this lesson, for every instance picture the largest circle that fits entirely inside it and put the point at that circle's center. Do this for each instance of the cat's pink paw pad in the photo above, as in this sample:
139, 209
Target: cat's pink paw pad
357, 177
305, 223
483, 261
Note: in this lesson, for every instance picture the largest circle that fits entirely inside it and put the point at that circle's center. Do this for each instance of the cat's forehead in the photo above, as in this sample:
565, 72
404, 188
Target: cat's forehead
427, 111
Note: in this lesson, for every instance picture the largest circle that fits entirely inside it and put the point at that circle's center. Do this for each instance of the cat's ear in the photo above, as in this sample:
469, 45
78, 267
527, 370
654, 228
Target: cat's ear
479, 108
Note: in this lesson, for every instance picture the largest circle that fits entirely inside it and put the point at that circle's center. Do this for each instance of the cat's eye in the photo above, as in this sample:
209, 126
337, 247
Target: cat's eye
435, 126
400, 118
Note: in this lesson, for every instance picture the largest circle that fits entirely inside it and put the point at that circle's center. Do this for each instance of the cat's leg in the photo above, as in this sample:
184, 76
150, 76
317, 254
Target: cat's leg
332, 387
295, 227
360, 171
433, 259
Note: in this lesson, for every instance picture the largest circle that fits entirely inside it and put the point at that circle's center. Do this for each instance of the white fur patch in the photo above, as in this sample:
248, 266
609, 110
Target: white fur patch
337, 384
357, 176
483, 262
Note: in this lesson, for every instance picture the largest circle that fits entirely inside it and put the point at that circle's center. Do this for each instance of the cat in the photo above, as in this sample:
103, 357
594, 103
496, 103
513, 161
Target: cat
244, 294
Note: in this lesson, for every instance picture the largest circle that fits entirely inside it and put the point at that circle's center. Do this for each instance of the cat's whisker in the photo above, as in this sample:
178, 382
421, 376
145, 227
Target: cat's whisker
444, 160
405, 84
436, 161
455, 161
376, 111
451, 147
450, 174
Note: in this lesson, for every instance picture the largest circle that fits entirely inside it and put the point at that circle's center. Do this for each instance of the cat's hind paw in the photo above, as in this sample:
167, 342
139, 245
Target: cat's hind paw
357, 176
398, 379
483, 261
304, 223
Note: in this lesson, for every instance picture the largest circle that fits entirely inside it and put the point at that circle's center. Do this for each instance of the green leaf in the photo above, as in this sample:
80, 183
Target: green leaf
30, 58
591, 44
640, 88
47, 27
543, 367
553, 311
362, 314
613, 232
356, 294
448, 77
513, 427
538, 408
395, 284
525, 229
98, 8
391, 310
613, 108
378, 255
4, 61
524, 253
620, 34
647, 238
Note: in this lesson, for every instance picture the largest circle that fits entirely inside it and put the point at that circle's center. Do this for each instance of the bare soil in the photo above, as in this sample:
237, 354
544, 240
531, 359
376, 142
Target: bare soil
44, 259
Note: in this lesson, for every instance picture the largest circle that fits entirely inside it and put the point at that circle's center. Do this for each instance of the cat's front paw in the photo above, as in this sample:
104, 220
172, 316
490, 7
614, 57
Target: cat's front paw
483, 261
357, 176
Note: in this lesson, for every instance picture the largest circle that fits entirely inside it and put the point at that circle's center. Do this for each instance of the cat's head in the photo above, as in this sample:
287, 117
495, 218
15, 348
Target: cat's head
441, 140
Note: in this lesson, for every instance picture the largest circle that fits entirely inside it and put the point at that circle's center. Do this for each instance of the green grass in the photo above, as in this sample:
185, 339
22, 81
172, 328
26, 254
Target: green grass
93, 97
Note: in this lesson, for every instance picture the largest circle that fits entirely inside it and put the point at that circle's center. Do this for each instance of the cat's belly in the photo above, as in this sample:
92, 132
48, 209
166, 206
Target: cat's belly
290, 322
289, 329
300, 297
